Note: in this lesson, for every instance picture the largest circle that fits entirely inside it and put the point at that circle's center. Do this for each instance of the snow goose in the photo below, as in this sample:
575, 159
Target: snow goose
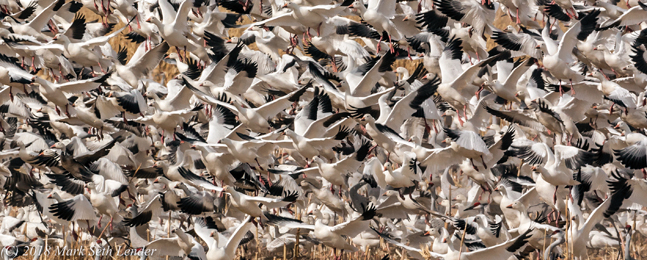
12, 75
541, 118
221, 247
537, 231
174, 28
216, 22
379, 15
629, 17
87, 115
557, 63
248, 204
77, 208
196, 202
363, 78
140, 64
624, 191
329, 46
405, 176
216, 164
55, 92
308, 16
80, 52
479, 15
579, 231
408, 204
253, 151
34, 26
45, 158
384, 136
323, 194
255, 118
330, 236
414, 100
505, 249
506, 88
319, 107
178, 245
525, 43
169, 121
130, 103
335, 172
454, 79
151, 210
553, 165
49, 114
105, 205
468, 143
614, 92
240, 76
178, 98
267, 42
310, 147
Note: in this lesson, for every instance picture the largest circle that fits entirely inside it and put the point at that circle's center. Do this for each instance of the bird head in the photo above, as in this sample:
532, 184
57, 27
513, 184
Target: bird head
387, 166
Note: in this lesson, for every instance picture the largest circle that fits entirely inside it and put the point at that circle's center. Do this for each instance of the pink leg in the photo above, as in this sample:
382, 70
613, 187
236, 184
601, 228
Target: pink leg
464, 113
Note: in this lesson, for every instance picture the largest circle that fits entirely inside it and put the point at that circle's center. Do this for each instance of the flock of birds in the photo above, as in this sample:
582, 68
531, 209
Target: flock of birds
535, 148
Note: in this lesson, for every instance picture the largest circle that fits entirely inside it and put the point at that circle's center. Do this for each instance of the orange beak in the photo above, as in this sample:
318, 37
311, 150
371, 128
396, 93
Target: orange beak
509, 206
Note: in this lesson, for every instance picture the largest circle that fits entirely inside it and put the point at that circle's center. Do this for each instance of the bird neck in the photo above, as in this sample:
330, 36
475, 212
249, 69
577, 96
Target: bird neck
66, 41
234, 194
157, 22
361, 8
405, 75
